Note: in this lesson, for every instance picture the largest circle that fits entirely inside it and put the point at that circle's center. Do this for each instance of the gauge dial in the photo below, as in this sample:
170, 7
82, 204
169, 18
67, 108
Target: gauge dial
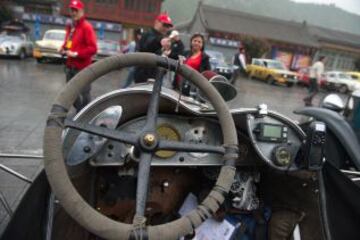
167, 132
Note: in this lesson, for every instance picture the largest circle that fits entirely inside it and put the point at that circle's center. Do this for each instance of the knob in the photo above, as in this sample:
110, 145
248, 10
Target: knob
282, 156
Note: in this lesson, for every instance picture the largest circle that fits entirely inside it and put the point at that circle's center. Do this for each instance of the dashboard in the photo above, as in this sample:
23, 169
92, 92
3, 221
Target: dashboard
270, 139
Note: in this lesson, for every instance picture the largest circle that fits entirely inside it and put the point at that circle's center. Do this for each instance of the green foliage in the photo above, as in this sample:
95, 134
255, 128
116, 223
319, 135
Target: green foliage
255, 48
5, 14
357, 64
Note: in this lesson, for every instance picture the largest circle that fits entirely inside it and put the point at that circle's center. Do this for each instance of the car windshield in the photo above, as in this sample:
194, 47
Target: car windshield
344, 76
216, 56
108, 46
275, 65
54, 36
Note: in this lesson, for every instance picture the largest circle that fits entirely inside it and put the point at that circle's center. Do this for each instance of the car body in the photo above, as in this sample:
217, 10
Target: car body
107, 48
48, 47
272, 71
15, 45
354, 75
340, 81
219, 65
304, 77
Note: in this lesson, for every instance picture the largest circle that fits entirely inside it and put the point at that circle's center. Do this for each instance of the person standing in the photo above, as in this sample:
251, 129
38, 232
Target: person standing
316, 70
197, 59
79, 47
177, 46
130, 49
239, 61
151, 42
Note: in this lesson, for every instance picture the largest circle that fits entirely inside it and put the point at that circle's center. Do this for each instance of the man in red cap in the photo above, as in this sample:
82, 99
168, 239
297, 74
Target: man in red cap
151, 42
79, 47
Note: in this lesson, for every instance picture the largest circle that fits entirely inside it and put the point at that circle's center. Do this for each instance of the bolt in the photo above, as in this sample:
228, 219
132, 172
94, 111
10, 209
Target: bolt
87, 149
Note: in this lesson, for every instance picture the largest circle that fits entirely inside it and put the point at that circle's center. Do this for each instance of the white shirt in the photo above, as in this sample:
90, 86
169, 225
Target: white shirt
316, 70
242, 60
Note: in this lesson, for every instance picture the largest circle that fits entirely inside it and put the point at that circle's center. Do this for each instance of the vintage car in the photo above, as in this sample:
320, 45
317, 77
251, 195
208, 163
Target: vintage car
106, 48
340, 81
219, 65
15, 45
148, 163
272, 71
48, 48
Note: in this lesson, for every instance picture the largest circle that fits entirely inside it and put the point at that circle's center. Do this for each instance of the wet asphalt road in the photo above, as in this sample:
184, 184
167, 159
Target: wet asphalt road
27, 90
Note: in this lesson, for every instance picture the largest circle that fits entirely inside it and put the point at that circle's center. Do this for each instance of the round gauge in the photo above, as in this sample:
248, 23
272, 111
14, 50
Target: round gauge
282, 156
167, 132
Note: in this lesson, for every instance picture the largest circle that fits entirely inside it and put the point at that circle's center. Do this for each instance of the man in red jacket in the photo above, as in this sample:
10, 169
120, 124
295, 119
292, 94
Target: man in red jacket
79, 47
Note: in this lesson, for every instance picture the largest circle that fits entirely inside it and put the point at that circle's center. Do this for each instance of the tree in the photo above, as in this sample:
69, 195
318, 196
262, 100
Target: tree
357, 64
255, 47
5, 14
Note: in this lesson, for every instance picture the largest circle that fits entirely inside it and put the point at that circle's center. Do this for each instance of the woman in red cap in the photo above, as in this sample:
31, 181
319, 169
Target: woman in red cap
79, 47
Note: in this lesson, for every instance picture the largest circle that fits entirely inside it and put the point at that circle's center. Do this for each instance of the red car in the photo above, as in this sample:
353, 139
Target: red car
304, 78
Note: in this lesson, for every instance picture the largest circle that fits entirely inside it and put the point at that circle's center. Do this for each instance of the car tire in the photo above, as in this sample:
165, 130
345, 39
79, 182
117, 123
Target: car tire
343, 89
270, 80
39, 60
22, 54
289, 84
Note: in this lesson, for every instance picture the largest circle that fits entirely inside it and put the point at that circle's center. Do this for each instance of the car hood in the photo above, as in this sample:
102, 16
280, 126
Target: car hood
287, 72
9, 41
49, 43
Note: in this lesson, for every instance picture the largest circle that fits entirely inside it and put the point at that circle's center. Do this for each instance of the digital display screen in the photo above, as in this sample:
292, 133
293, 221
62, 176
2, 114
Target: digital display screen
272, 131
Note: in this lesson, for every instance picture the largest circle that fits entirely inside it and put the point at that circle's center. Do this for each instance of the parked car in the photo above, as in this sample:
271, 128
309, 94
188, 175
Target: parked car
15, 45
340, 81
272, 71
107, 48
304, 77
219, 65
354, 75
48, 47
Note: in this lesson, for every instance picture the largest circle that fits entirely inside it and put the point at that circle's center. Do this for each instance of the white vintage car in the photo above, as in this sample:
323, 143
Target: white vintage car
15, 45
48, 47
340, 81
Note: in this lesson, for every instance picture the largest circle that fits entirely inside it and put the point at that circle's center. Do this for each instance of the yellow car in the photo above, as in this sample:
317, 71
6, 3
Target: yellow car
272, 71
354, 75
48, 47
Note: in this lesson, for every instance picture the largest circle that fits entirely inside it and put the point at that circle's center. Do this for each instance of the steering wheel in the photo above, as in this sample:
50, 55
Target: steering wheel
146, 142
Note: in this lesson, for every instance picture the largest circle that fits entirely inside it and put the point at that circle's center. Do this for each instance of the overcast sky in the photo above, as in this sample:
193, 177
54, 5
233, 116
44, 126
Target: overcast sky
349, 5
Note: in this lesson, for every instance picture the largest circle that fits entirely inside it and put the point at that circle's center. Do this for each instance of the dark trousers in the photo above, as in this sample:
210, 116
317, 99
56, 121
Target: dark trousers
240, 72
313, 90
84, 97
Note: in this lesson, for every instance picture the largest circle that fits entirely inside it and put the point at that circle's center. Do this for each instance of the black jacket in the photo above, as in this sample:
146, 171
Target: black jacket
177, 48
205, 61
149, 42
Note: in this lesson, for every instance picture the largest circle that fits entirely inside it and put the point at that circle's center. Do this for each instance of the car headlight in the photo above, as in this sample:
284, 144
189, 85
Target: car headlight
285, 75
295, 77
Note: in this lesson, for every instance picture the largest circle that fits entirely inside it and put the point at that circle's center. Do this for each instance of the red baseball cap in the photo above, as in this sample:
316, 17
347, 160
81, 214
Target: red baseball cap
76, 4
164, 18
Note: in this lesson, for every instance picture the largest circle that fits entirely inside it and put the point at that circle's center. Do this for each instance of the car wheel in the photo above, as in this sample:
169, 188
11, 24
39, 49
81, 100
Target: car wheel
39, 60
289, 84
270, 80
343, 89
22, 54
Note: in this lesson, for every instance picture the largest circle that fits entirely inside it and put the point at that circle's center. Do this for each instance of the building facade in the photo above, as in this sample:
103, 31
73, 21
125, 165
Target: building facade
297, 45
129, 13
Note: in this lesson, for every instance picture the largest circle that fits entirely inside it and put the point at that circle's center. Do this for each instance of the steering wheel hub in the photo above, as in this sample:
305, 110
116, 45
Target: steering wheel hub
149, 139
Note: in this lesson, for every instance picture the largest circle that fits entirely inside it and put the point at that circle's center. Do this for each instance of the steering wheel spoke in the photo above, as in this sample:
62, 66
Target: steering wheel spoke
143, 183
189, 147
116, 135
152, 113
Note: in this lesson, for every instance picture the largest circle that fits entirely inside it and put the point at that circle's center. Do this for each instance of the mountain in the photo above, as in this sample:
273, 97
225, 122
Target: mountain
328, 16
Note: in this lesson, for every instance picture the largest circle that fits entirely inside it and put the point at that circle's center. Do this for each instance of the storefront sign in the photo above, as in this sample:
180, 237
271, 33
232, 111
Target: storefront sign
300, 61
60, 20
224, 42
